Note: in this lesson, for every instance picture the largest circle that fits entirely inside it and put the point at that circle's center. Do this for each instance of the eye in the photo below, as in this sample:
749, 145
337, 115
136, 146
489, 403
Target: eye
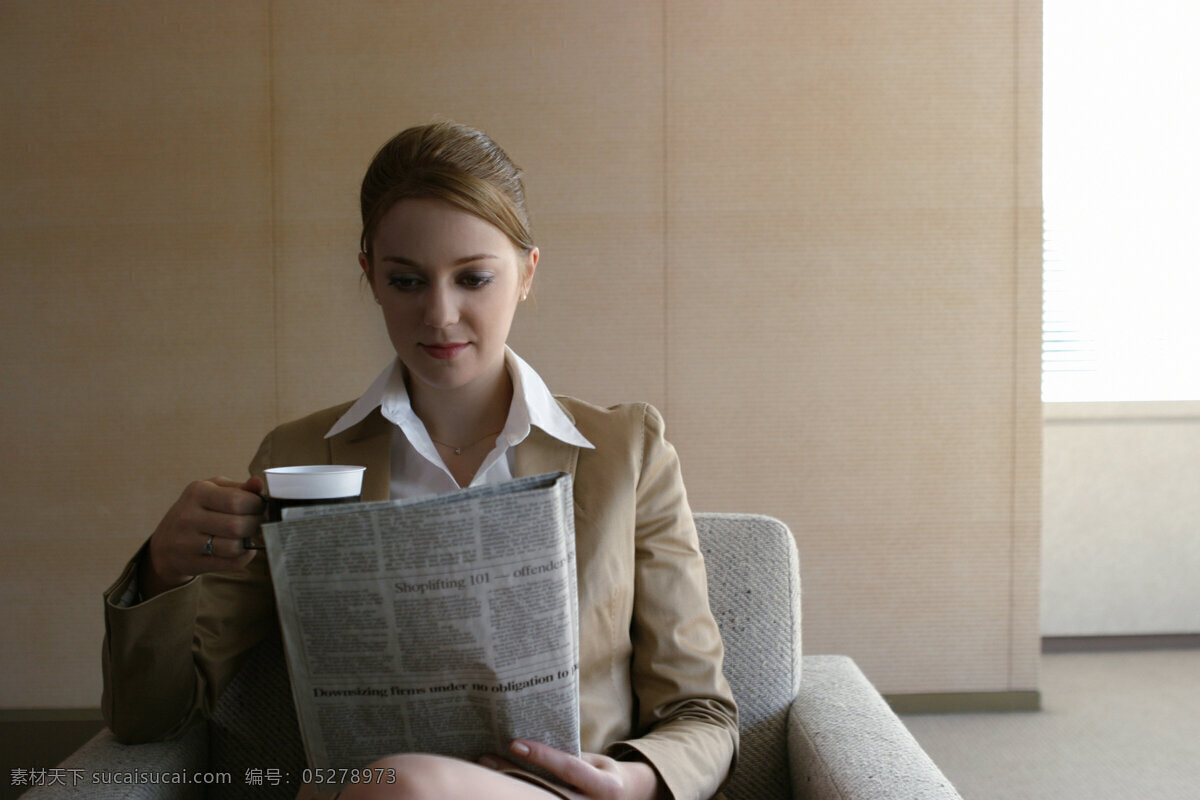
476, 280
404, 283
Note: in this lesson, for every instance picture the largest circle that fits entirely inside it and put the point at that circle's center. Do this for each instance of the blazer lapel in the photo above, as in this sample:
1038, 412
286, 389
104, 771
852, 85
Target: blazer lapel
367, 444
540, 452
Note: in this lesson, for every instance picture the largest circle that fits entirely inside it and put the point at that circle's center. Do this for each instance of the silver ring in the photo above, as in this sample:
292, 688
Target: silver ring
208, 547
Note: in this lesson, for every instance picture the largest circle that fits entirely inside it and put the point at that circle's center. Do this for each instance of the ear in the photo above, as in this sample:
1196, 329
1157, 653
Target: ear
366, 268
531, 262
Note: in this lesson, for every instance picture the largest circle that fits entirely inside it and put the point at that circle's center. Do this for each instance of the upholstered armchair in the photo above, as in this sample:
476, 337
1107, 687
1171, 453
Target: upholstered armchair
811, 726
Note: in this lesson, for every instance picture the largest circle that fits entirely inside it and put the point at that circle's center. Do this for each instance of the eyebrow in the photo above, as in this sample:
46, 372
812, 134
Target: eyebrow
408, 262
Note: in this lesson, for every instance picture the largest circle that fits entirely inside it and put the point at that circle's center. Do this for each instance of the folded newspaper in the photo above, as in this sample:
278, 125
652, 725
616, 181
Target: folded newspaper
440, 625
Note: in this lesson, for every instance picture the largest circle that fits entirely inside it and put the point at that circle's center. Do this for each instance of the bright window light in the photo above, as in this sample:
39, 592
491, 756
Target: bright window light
1121, 188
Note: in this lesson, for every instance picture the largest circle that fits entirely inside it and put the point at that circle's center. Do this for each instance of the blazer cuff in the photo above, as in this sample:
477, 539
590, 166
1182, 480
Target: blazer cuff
684, 756
137, 639
125, 593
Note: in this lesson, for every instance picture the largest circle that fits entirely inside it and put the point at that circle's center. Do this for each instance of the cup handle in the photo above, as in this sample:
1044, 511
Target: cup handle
247, 542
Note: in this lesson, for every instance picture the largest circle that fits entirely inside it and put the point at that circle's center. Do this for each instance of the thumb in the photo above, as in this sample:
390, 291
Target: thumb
254, 485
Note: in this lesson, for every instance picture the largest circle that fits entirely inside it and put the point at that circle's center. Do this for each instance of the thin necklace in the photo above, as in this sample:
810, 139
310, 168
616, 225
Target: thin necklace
458, 450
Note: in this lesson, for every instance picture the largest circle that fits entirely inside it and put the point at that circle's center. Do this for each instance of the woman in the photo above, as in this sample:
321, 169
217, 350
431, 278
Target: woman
447, 253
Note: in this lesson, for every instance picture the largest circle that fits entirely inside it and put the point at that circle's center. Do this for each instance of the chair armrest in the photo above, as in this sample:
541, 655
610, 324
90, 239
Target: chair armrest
845, 742
147, 771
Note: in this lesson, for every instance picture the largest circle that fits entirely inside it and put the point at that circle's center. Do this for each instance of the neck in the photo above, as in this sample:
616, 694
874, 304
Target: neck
462, 415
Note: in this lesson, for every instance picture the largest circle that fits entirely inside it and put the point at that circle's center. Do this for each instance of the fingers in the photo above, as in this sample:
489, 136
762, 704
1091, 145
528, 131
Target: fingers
496, 762
221, 480
223, 510
226, 496
593, 775
203, 531
222, 550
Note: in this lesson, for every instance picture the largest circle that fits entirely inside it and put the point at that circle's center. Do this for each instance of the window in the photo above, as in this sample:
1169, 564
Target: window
1121, 187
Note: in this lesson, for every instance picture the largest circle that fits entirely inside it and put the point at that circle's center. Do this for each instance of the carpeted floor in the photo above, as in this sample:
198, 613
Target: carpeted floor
1114, 725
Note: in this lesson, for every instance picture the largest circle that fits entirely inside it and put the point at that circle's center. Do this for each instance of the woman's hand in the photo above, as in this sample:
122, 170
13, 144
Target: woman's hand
594, 776
202, 532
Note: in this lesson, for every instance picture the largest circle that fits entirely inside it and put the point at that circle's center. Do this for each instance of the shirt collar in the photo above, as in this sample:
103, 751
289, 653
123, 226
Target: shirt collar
532, 404
539, 405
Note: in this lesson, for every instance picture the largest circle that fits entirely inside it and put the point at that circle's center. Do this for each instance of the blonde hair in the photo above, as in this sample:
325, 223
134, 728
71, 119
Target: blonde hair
451, 162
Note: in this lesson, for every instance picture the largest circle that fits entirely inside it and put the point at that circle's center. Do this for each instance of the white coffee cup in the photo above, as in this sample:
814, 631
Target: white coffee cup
315, 482
311, 485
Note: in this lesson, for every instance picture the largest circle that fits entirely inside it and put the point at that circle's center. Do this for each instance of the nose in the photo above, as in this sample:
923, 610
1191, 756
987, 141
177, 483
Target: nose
441, 307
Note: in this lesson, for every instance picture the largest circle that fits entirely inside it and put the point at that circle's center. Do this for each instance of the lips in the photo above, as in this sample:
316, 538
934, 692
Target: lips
444, 351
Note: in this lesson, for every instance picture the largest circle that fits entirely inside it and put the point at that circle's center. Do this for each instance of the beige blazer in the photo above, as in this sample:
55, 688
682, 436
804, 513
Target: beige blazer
650, 652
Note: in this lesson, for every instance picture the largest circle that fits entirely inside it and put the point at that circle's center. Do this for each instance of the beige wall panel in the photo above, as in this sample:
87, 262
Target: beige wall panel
572, 91
810, 232
133, 227
841, 303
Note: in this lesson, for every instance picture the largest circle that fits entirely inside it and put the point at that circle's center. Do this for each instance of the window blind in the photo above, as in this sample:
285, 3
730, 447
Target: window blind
1121, 185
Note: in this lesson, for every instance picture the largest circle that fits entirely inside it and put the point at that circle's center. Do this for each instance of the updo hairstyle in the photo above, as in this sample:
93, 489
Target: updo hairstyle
450, 162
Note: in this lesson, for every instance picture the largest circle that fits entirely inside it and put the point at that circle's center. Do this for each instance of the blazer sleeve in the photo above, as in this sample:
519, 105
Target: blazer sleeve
166, 660
686, 714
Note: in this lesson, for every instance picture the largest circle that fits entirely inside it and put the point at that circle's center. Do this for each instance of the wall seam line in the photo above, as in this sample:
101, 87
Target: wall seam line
666, 218
273, 173
1016, 343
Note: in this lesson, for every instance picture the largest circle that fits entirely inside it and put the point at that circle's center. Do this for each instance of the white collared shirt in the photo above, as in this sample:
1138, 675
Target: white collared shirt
418, 469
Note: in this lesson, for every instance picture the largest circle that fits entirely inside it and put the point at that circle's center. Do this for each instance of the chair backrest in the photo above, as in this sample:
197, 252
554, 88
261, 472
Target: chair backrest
754, 593
254, 729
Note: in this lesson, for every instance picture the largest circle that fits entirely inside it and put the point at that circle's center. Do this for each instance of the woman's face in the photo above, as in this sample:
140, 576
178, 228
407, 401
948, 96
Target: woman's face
448, 283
